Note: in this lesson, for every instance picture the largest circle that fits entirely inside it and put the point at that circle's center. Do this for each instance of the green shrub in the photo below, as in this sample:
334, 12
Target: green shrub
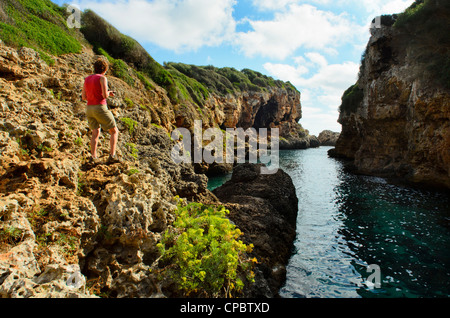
351, 99
157, 126
38, 24
130, 123
11, 235
188, 87
144, 81
207, 257
207, 76
129, 102
411, 13
78, 141
229, 80
132, 171
134, 152
120, 69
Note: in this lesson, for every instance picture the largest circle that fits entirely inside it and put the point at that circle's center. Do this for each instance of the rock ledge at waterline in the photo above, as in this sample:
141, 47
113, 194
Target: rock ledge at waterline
265, 207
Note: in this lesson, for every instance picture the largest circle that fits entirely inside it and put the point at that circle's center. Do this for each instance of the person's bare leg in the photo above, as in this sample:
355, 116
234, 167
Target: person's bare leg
94, 142
114, 132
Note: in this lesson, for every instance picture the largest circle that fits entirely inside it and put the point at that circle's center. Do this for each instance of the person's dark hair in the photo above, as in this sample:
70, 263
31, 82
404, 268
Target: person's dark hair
100, 66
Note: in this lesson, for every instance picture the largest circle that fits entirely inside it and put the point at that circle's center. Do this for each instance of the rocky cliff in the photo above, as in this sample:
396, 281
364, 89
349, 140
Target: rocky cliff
61, 215
71, 228
273, 108
328, 138
268, 215
396, 118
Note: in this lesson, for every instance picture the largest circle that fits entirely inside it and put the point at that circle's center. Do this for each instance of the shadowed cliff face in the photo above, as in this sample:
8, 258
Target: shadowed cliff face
396, 120
257, 109
267, 221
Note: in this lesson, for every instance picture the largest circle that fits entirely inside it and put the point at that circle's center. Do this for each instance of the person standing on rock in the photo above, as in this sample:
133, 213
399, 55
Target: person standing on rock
95, 92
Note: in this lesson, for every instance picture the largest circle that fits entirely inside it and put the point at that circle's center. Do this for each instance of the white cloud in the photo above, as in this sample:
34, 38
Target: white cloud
332, 77
327, 77
321, 90
178, 25
188, 25
298, 26
272, 4
281, 4
317, 58
378, 7
315, 120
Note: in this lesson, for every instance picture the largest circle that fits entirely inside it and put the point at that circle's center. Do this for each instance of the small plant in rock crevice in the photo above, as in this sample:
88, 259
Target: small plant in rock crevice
209, 259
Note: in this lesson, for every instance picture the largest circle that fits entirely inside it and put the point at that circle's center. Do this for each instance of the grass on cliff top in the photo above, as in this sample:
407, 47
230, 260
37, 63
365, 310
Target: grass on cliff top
118, 46
228, 80
351, 99
38, 24
429, 22
189, 87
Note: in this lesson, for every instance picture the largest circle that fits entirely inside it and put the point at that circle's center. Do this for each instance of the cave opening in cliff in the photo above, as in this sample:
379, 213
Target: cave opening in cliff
266, 115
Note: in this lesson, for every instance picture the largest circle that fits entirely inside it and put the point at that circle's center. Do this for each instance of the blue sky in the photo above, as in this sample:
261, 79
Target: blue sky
314, 44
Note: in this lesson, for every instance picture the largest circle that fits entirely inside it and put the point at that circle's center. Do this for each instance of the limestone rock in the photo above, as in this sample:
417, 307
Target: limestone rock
134, 205
20, 273
71, 228
328, 138
400, 126
265, 208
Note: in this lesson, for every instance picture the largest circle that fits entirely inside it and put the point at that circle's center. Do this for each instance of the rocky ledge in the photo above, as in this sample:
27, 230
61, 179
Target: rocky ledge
69, 228
328, 138
265, 208
395, 119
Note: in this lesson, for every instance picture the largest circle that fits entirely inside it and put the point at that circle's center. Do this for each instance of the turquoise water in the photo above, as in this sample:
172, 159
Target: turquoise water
216, 182
347, 222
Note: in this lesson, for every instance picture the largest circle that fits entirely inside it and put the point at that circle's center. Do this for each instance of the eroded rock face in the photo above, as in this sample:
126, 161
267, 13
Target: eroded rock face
328, 138
259, 109
401, 127
69, 228
265, 208
275, 108
24, 272
134, 211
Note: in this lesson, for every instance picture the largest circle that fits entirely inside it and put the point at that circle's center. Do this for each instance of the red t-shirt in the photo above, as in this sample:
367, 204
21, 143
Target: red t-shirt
93, 90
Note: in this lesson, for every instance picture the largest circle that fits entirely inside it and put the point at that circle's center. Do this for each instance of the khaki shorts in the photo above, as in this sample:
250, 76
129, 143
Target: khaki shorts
100, 115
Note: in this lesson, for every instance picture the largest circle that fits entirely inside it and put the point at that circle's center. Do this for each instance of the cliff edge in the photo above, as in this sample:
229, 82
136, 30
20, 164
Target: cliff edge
267, 214
396, 118
73, 228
